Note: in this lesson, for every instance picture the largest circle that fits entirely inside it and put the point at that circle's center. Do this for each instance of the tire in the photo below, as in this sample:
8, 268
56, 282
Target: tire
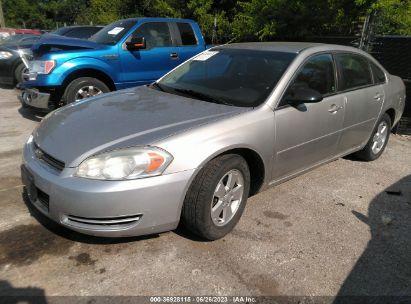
378, 140
72, 92
18, 73
202, 197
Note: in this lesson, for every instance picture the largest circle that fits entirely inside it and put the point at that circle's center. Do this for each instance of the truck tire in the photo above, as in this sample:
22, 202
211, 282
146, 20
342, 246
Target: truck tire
217, 197
84, 87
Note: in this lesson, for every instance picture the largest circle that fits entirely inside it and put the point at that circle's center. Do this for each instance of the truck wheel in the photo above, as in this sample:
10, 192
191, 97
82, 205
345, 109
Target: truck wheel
84, 87
378, 141
21, 73
217, 197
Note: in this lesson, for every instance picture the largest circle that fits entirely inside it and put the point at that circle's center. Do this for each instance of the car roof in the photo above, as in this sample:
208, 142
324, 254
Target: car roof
288, 47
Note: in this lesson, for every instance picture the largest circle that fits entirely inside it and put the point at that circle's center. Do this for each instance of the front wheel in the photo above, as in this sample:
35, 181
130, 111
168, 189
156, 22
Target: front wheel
21, 73
217, 197
84, 87
378, 141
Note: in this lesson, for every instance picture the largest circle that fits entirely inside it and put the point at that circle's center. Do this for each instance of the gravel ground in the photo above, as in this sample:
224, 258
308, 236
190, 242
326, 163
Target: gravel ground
333, 231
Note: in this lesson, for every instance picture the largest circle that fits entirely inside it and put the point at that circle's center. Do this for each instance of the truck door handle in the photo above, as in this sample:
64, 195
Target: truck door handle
334, 108
173, 55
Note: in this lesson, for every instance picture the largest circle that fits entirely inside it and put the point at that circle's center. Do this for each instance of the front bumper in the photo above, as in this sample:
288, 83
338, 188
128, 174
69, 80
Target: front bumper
105, 208
34, 98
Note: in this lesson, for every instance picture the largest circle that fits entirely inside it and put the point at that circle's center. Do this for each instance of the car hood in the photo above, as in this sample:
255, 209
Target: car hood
15, 46
134, 117
57, 42
7, 48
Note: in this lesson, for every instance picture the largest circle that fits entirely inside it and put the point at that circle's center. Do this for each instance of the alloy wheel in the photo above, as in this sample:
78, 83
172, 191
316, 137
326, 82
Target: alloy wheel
380, 137
87, 91
227, 197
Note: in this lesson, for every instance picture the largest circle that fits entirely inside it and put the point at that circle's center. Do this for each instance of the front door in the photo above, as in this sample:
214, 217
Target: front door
307, 134
147, 65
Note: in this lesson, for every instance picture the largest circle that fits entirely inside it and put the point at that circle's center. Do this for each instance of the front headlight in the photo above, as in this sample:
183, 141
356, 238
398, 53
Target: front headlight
124, 164
5, 55
42, 66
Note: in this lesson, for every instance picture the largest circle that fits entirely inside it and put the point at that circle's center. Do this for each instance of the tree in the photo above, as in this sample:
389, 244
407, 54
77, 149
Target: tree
394, 16
205, 13
100, 12
242, 19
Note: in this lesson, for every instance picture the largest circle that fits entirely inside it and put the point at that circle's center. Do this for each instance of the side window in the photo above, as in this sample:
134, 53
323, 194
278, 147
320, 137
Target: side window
317, 74
379, 75
157, 34
187, 34
355, 71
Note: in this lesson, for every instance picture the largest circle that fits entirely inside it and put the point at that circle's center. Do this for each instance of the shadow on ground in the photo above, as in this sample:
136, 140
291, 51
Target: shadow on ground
384, 268
13, 295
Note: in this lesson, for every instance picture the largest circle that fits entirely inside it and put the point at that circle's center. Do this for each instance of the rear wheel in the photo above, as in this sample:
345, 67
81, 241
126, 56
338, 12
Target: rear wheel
378, 141
84, 87
217, 197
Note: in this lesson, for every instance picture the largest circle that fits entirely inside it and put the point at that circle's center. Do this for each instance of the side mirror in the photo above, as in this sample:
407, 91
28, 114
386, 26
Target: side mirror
136, 43
303, 95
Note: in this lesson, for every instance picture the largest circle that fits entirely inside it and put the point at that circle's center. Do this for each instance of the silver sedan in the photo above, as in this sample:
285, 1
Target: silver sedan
194, 145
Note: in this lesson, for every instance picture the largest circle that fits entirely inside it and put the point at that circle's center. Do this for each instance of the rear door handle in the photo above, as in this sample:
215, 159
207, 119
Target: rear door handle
173, 55
334, 108
378, 96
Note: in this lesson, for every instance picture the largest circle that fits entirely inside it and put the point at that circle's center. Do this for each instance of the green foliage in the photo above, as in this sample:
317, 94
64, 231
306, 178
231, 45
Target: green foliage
238, 19
205, 14
100, 12
395, 16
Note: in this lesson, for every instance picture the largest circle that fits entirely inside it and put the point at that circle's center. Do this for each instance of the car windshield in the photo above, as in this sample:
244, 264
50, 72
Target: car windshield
238, 77
113, 32
17, 38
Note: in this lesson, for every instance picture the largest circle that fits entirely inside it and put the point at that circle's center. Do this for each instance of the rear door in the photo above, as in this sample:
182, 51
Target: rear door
188, 44
364, 99
147, 65
308, 134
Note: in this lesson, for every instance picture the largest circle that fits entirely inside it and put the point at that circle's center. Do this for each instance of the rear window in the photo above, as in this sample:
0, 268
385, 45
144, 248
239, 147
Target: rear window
187, 34
355, 71
82, 32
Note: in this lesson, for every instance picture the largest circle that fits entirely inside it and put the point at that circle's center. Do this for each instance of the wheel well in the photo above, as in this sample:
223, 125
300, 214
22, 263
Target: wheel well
90, 73
256, 166
391, 114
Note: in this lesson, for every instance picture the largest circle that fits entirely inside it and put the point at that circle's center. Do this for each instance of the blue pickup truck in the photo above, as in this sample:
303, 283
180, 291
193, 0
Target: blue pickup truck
124, 54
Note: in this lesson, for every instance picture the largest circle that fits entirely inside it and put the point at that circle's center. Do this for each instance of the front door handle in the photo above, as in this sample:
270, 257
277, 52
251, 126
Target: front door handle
174, 55
334, 108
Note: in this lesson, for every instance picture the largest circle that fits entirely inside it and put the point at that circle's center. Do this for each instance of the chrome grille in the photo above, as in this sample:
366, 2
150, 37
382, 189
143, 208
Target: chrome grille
47, 158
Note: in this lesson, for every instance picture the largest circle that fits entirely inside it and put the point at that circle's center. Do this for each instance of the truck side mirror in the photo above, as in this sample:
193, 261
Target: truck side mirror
136, 43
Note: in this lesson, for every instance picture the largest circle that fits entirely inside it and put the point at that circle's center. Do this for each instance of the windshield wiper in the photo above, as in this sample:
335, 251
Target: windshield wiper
202, 96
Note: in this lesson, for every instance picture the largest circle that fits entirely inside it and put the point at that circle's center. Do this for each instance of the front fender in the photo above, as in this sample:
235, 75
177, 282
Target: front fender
193, 149
59, 74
